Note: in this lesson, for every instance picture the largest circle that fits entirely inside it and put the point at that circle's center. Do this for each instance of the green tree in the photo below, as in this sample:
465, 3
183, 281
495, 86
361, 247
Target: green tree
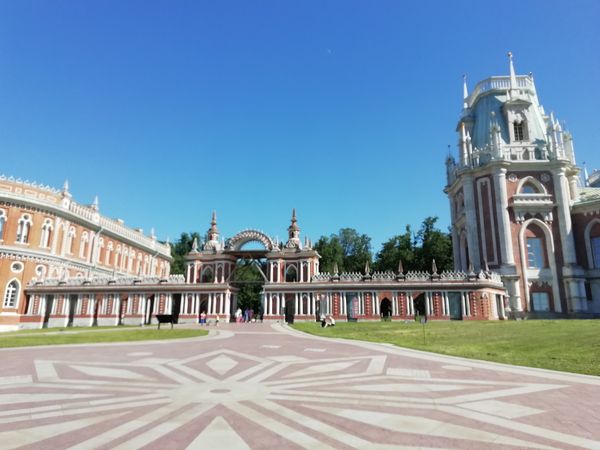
331, 252
400, 247
180, 248
434, 244
349, 249
417, 250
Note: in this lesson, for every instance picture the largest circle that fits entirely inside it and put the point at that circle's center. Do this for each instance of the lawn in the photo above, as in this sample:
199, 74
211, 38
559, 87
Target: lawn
566, 345
58, 336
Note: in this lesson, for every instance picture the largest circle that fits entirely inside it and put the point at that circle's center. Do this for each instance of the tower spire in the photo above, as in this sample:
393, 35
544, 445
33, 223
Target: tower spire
513, 77
294, 233
465, 91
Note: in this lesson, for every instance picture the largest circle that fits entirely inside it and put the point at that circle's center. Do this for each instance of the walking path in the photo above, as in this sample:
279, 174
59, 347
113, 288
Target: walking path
266, 386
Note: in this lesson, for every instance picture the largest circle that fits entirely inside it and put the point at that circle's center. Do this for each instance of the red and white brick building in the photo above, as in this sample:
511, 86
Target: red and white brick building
45, 234
518, 205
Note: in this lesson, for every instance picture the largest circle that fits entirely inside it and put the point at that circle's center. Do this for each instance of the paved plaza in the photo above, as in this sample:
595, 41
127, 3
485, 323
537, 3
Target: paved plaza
266, 386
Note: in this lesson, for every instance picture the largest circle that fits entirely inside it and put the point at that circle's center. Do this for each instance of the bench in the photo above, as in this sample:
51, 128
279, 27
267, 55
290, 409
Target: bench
164, 318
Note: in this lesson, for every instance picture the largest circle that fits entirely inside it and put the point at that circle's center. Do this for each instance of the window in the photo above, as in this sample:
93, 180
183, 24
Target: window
83, 245
46, 233
519, 129
109, 250
23, 228
540, 301
595, 241
529, 188
2, 222
70, 237
535, 253
11, 294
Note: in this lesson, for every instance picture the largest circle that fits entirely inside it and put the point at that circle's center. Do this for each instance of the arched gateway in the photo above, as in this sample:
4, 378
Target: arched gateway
290, 287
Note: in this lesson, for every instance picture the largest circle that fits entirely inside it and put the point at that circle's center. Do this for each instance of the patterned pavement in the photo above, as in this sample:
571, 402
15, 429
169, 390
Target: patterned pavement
266, 386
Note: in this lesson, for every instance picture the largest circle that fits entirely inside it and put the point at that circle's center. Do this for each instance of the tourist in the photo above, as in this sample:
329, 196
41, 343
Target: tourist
203, 318
331, 321
238, 315
323, 321
217, 320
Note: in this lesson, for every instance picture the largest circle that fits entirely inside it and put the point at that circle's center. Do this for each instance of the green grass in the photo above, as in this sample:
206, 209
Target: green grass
565, 345
59, 336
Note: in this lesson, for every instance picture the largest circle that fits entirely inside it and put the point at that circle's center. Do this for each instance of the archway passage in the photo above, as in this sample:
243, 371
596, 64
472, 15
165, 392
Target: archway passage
385, 308
419, 303
249, 279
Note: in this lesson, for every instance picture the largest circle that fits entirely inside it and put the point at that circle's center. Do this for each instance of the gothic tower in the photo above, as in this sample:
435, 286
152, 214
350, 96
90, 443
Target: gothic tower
511, 193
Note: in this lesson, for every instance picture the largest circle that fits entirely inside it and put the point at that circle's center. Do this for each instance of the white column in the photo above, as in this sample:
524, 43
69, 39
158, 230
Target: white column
564, 217
506, 248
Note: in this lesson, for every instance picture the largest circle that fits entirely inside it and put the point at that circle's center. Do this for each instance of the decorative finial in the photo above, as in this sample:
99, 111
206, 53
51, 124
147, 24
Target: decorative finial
66, 186
433, 266
486, 268
367, 268
214, 218
513, 77
195, 245
400, 268
96, 203
465, 92
335, 268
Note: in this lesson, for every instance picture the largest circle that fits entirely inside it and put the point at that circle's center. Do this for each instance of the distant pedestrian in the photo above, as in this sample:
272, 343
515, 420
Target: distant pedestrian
203, 318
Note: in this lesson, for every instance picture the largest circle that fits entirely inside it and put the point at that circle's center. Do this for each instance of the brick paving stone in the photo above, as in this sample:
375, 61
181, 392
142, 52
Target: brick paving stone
267, 386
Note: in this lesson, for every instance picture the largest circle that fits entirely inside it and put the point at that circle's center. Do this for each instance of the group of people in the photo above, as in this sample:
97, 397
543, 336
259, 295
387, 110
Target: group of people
246, 316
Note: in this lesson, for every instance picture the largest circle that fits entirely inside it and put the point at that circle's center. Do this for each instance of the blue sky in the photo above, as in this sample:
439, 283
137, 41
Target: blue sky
342, 109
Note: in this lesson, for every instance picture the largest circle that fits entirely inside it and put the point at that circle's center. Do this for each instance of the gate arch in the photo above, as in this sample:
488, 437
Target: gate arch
237, 242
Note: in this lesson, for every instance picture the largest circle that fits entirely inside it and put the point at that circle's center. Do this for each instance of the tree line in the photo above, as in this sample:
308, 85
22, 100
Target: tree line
351, 250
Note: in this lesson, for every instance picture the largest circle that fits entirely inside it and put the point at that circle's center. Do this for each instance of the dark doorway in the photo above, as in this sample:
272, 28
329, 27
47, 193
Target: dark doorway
48, 312
290, 308
455, 306
419, 303
175, 307
385, 309
149, 309
72, 308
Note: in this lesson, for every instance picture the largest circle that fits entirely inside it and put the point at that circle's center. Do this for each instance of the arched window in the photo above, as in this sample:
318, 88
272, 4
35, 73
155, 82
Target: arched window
83, 245
2, 222
529, 188
23, 227
592, 237
124, 258
117, 256
70, 239
109, 249
536, 248
46, 233
11, 294
291, 274
595, 241
207, 275
130, 261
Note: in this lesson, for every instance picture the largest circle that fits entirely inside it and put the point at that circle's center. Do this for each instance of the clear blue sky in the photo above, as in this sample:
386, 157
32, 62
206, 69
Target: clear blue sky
342, 109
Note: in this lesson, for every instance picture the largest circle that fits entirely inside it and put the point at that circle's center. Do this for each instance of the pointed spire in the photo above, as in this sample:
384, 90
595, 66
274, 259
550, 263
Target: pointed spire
367, 268
586, 177
513, 77
486, 267
96, 203
470, 269
335, 268
465, 92
66, 186
195, 245
213, 221
400, 268
433, 266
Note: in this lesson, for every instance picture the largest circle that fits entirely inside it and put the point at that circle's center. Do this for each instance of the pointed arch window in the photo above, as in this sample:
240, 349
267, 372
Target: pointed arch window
291, 274
536, 248
529, 188
595, 243
46, 235
70, 238
2, 222
23, 227
109, 249
83, 245
11, 294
